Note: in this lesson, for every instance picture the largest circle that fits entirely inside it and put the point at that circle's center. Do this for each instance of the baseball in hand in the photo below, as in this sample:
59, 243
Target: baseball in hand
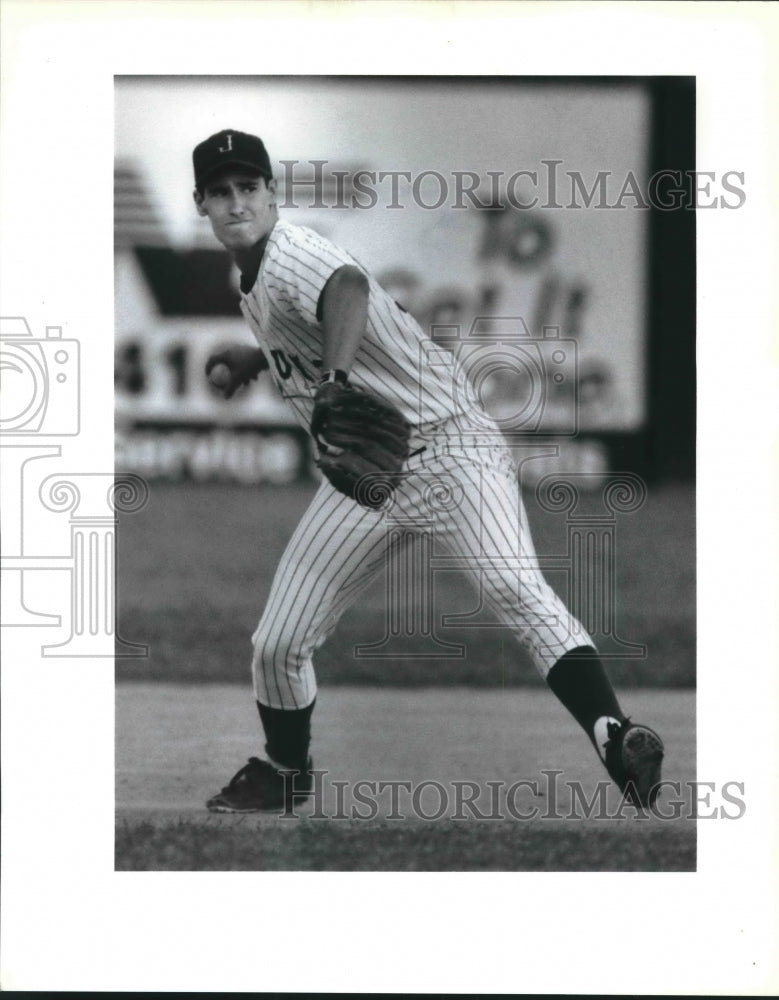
220, 376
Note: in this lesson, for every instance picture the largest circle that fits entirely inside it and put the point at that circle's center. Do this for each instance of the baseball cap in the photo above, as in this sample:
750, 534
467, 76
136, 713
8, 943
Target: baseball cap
230, 147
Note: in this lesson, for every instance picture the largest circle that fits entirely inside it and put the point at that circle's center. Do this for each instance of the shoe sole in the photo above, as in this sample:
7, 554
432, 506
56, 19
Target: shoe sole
230, 809
642, 756
276, 807
220, 808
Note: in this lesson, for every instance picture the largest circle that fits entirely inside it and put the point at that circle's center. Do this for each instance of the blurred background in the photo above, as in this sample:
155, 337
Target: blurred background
560, 247
591, 259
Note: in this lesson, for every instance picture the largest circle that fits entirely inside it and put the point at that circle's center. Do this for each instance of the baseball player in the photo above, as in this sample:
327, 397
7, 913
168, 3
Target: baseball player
396, 439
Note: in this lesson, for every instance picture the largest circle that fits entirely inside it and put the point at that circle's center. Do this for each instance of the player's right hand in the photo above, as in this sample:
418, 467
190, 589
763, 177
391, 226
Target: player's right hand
245, 364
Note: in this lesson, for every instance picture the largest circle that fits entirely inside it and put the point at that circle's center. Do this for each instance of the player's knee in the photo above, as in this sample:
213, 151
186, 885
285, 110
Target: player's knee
275, 651
528, 592
283, 676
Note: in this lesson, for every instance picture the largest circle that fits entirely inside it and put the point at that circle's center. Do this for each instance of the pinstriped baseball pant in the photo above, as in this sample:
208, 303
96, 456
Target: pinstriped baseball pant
469, 499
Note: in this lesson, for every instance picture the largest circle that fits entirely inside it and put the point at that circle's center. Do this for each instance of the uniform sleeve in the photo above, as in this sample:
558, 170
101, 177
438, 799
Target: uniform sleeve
299, 269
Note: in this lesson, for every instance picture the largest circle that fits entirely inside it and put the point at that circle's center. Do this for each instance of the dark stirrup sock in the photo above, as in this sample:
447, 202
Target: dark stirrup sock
580, 682
288, 734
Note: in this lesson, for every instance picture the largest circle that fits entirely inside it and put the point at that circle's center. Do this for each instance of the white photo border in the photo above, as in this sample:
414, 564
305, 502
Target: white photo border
69, 921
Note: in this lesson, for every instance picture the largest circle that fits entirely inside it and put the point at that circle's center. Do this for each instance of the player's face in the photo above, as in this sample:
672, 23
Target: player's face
240, 206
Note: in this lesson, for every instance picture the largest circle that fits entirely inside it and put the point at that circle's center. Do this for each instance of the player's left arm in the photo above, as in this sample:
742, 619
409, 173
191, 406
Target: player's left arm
344, 312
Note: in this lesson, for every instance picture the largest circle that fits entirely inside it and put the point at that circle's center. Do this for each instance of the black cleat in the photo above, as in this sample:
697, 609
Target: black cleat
259, 786
634, 758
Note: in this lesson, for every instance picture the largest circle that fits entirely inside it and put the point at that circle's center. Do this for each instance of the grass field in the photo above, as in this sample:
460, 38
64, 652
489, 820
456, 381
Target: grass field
195, 567
178, 744
188, 845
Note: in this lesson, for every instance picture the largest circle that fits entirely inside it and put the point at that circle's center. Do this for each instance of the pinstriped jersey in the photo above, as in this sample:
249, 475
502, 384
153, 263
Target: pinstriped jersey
394, 360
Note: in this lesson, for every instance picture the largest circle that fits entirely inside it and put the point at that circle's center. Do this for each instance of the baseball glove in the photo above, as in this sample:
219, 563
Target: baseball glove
363, 442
